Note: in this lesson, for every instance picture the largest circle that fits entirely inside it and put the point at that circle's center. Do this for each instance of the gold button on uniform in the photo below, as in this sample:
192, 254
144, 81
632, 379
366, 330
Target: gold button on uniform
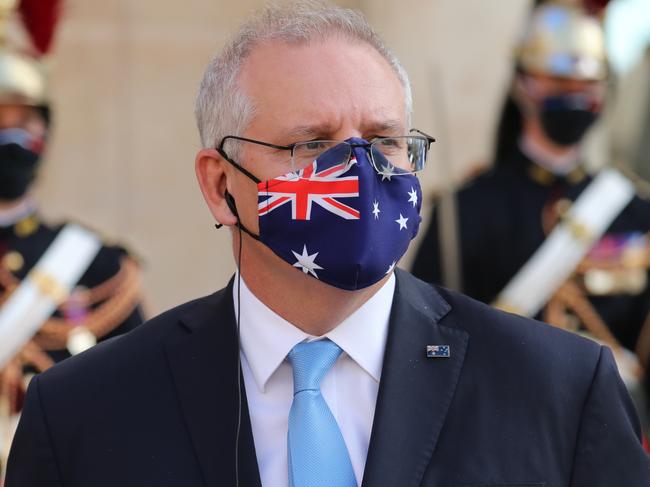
13, 261
26, 226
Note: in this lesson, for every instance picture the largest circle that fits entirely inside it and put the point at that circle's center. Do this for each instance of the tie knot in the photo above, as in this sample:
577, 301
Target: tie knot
311, 361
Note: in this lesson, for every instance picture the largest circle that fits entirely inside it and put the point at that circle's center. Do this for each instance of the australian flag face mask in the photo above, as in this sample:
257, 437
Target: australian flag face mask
342, 223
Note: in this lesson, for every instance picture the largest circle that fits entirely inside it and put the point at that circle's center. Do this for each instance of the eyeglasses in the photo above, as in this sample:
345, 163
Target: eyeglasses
391, 156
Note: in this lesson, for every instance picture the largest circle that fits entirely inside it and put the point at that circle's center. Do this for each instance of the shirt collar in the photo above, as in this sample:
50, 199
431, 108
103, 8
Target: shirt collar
546, 171
363, 334
267, 338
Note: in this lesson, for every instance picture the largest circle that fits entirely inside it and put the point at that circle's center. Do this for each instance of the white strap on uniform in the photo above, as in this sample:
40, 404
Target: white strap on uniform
45, 287
556, 259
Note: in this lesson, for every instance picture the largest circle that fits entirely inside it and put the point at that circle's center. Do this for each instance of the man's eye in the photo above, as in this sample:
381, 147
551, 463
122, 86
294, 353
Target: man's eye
388, 142
384, 139
314, 145
391, 143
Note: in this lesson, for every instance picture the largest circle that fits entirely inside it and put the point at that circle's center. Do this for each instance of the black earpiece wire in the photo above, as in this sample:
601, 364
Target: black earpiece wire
231, 204
238, 368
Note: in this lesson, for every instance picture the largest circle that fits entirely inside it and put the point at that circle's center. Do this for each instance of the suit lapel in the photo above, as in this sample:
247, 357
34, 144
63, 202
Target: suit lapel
415, 391
202, 356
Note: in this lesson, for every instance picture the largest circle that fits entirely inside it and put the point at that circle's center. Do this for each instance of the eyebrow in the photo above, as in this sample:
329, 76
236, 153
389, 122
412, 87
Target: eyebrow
309, 130
391, 126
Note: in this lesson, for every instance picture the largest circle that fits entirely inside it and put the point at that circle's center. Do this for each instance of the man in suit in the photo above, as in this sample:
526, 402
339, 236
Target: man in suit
318, 364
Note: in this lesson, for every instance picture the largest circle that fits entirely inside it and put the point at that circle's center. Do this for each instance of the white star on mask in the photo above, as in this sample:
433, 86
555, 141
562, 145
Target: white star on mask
306, 262
391, 267
375, 210
401, 221
387, 171
413, 197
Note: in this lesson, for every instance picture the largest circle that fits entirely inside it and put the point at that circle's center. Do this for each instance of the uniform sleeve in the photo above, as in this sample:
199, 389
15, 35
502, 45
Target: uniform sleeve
608, 449
32, 461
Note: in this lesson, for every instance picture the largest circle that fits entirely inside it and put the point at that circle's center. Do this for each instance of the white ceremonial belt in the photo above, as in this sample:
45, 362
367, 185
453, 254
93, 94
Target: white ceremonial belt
45, 287
558, 257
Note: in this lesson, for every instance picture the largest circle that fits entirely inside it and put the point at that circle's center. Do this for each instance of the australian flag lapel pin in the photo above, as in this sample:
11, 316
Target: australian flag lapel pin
438, 351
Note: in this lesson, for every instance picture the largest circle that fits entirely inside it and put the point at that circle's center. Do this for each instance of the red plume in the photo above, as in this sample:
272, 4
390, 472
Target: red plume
595, 7
40, 18
592, 7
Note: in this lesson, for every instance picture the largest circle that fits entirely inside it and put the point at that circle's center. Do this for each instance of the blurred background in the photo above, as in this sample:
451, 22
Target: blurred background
124, 74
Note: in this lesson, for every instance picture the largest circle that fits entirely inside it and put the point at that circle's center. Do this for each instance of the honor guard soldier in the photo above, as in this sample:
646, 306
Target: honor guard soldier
539, 235
61, 289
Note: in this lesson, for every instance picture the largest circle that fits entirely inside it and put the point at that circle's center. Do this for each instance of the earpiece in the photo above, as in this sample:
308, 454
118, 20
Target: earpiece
230, 201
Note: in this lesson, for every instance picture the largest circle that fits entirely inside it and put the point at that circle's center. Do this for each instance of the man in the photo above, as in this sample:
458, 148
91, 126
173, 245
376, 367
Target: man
351, 373
41, 320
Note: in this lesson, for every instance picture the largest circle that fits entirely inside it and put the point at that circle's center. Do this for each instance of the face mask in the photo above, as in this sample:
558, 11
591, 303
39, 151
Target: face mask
566, 118
344, 224
19, 155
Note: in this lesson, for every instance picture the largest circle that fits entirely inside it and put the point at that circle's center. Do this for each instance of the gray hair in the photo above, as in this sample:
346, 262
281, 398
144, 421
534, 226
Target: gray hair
221, 106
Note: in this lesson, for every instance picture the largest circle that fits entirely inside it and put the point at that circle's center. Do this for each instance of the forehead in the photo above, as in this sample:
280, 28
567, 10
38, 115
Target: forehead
335, 83
15, 111
24, 116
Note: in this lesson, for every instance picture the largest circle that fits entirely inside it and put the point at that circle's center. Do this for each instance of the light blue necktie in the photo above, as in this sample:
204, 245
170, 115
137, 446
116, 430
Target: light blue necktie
318, 456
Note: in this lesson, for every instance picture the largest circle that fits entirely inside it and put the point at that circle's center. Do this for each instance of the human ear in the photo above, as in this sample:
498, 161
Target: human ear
212, 176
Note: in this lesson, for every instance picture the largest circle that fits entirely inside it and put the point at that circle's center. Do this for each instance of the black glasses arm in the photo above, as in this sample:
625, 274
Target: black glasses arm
237, 166
253, 141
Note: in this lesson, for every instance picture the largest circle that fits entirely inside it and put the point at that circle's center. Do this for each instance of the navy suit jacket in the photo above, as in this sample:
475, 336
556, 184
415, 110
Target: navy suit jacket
517, 403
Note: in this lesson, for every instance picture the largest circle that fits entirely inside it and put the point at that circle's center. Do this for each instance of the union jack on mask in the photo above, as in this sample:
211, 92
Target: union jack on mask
342, 223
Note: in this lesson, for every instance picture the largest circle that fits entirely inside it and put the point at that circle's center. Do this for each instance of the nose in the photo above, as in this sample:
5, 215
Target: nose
360, 149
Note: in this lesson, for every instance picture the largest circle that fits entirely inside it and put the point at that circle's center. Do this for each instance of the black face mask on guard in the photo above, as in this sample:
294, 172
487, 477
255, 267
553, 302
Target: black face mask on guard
18, 167
566, 118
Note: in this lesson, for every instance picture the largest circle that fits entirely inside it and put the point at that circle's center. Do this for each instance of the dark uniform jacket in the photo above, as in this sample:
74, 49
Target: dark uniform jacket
517, 403
22, 245
500, 220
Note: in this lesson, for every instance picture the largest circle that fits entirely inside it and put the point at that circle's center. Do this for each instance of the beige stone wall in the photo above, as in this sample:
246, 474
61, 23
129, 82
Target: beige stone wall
124, 81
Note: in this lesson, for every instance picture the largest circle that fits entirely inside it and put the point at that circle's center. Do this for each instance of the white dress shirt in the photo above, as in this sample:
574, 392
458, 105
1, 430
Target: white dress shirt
349, 388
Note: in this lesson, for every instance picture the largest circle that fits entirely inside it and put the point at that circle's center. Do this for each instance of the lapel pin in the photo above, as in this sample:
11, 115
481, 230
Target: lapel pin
438, 351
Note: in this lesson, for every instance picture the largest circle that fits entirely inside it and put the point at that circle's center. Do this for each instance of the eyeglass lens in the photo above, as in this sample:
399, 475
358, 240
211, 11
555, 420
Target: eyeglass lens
397, 155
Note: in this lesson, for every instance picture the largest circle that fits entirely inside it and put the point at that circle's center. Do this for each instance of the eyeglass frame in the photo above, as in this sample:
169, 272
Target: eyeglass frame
430, 140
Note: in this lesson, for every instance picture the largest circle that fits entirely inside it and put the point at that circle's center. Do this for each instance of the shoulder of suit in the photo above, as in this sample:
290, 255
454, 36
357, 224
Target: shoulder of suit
538, 348
476, 315
497, 335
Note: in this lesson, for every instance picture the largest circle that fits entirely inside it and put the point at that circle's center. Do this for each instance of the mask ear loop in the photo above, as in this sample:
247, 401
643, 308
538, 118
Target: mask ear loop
231, 204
